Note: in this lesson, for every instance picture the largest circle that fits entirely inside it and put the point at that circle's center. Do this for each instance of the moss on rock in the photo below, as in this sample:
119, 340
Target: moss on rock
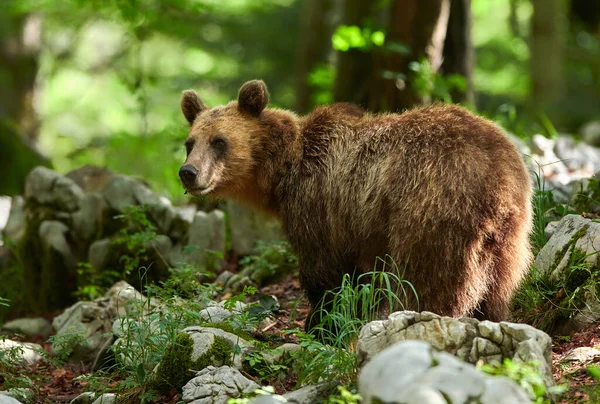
177, 367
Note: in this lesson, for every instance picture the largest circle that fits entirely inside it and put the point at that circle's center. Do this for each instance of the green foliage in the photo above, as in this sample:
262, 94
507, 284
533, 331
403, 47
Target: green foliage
526, 375
137, 234
269, 261
432, 86
65, 343
348, 37
344, 396
265, 369
543, 201
360, 300
328, 353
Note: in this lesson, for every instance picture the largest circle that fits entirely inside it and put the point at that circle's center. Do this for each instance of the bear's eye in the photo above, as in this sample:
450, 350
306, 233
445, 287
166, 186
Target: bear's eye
220, 145
189, 145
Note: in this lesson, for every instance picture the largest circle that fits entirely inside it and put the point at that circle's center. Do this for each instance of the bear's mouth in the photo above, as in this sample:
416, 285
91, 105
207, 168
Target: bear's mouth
201, 191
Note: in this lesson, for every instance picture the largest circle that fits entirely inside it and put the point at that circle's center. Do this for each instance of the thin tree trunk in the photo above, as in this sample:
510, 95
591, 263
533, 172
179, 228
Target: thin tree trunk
421, 25
548, 34
354, 66
458, 49
315, 47
19, 47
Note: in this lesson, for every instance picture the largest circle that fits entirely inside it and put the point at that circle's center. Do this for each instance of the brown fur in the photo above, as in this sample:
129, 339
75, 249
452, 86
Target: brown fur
442, 191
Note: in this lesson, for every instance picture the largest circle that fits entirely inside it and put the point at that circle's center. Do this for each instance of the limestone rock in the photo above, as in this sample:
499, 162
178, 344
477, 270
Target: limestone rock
466, 338
206, 234
109, 398
15, 225
22, 353
217, 385
574, 244
84, 398
204, 338
29, 327
248, 226
90, 320
6, 399
413, 372
310, 394
47, 187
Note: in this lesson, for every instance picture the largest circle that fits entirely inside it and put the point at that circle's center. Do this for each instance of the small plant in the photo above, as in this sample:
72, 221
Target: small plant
264, 369
344, 396
269, 261
64, 344
431, 85
329, 351
137, 236
526, 375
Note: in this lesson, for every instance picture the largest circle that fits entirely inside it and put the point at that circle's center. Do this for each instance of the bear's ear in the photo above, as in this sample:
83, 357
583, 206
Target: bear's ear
253, 97
191, 105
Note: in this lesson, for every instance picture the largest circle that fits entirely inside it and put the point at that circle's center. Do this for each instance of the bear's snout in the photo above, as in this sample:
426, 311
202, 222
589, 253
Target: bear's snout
188, 175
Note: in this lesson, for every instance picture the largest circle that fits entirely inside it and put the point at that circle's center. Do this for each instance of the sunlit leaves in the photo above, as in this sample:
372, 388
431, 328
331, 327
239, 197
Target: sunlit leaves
348, 37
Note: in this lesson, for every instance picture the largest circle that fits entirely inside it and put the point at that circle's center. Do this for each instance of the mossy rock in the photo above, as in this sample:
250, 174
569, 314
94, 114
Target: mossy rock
178, 366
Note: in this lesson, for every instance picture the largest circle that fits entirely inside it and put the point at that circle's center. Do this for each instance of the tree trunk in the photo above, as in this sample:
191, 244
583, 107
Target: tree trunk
421, 25
458, 49
19, 47
354, 66
548, 34
315, 47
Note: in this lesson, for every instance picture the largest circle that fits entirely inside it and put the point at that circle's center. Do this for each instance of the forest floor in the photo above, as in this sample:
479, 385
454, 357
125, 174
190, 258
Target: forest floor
60, 383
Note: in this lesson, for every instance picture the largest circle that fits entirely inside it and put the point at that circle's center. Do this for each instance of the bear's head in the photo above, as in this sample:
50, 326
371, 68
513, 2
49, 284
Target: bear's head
221, 141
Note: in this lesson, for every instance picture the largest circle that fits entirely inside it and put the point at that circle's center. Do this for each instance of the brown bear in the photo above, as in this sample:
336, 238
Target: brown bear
442, 191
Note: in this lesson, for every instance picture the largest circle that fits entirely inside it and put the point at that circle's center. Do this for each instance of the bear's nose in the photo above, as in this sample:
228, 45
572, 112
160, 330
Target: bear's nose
188, 174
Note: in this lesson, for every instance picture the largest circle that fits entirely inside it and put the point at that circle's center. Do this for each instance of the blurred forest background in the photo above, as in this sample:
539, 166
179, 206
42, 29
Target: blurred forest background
99, 81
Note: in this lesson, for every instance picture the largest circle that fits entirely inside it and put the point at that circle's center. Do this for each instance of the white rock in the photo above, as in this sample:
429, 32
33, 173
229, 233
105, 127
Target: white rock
412, 372
217, 385
582, 354
23, 353
47, 187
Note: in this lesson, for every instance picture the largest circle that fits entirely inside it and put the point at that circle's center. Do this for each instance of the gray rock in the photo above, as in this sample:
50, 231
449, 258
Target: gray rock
28, 327
159, 209
22, 353
577, 155
248, 226
267, 400
310, 394
207, 232
21, 394
88, 220
126, 300
204, 338
47, 187
590, 133
573, 235
118, 192
98, 253
466, 338
413, 372
53, 236
223, 278
551, 229
217, 385
15, 225
90, 320
216, 312
6, 399
582, 354
109, 398
553, 259
84, 398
